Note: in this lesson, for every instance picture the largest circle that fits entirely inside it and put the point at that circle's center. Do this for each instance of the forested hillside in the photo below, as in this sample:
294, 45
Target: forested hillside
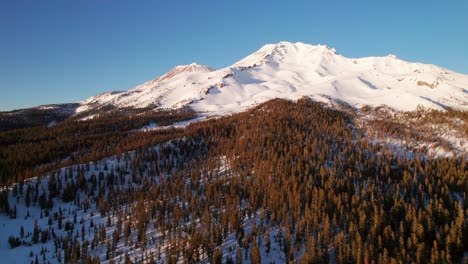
29, 152
284, 181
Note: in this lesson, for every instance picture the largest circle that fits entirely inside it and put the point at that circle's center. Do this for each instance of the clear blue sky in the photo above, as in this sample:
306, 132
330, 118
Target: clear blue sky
68, 50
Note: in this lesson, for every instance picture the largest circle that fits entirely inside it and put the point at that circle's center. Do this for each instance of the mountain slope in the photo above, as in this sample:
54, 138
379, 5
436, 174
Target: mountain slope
172, 90
290, 71
283, 182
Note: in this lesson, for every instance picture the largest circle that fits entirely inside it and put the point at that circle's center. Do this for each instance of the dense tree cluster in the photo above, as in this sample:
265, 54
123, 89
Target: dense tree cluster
299, 175
29, 152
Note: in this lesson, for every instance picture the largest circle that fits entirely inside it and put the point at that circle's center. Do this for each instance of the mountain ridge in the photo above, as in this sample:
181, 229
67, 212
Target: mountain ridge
292, 70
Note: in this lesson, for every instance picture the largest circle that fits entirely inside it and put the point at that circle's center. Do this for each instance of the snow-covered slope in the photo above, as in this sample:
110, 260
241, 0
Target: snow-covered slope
293, 70
172, 90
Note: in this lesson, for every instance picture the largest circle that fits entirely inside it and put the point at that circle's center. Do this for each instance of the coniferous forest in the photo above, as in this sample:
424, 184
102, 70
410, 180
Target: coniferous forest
283, 182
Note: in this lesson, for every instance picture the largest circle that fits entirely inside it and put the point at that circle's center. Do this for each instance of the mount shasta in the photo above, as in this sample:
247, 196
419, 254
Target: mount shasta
290, 71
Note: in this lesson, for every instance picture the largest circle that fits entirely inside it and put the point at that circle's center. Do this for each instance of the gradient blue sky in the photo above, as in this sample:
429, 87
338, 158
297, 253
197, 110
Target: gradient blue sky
68, 50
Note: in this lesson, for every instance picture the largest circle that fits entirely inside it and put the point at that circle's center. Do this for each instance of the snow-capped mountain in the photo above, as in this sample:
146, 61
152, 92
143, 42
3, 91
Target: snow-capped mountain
293, 70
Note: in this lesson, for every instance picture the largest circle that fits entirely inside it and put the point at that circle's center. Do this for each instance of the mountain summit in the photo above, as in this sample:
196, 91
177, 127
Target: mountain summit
284, 51
181, 69
293, 70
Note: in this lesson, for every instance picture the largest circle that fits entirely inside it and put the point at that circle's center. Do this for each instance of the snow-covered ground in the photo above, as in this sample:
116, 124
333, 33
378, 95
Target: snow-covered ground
445, 138
182, 124
81, 219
